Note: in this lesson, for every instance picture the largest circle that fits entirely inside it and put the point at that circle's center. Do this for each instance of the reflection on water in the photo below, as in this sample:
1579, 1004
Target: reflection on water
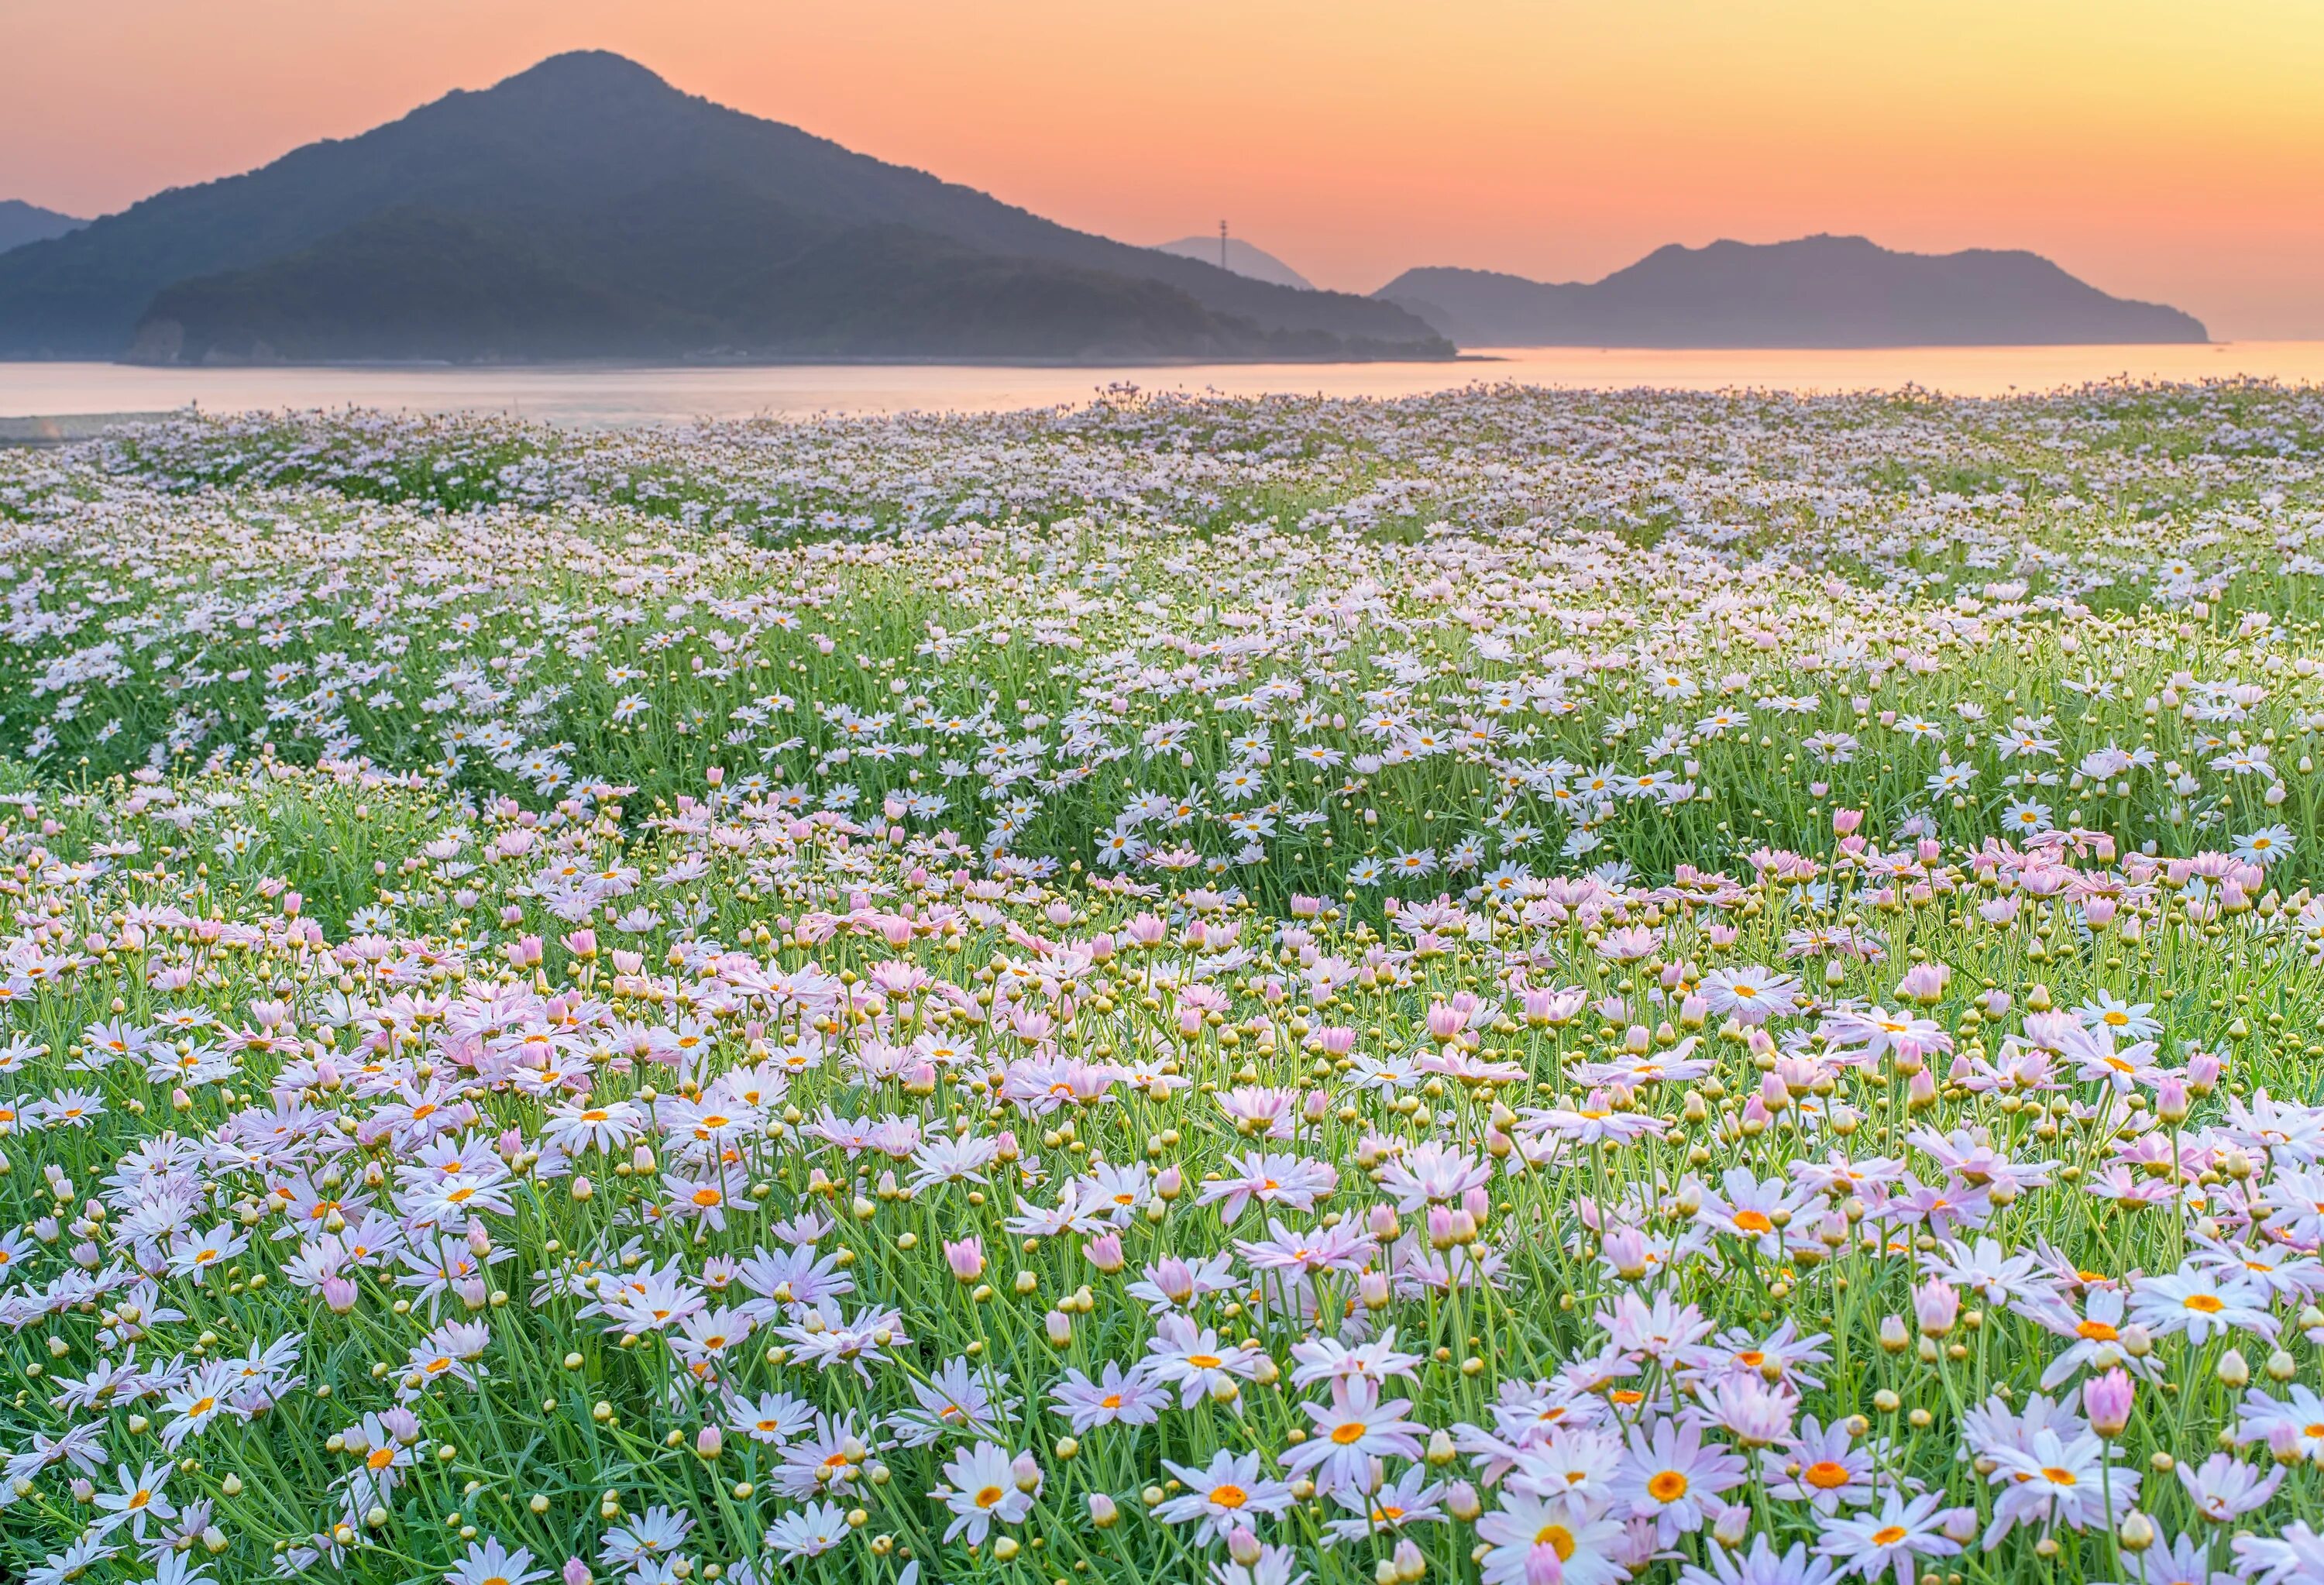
660, 395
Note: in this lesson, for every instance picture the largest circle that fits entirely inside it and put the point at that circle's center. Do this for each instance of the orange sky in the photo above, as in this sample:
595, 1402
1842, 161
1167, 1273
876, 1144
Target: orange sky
2162, 149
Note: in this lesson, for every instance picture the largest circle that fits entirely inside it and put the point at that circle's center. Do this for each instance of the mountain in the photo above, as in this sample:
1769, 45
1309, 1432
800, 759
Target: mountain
586, 208
20, 223
420, 283
1242, 258
1815, 291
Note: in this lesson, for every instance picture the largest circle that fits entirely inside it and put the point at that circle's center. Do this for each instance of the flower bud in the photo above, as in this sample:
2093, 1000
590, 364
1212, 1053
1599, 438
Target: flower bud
1104, 1251
2108, 1399
1625, 1252
2171, 1103
1936, 1305
1922, 1092
966, 1258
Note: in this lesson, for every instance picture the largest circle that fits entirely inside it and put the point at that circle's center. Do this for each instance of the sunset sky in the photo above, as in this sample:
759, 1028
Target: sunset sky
2160, 148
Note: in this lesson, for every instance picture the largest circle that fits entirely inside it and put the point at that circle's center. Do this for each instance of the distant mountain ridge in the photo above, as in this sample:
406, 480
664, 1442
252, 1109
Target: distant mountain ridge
1817, 291
1242, 258
20, 223
587, 208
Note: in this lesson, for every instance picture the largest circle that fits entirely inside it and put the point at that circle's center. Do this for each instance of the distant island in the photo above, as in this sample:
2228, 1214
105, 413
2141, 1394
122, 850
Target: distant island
1242, 258
20, 223
1818, 292
586, 209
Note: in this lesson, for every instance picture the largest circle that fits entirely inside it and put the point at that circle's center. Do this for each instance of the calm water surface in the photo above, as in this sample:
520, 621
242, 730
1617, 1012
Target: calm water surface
616, 396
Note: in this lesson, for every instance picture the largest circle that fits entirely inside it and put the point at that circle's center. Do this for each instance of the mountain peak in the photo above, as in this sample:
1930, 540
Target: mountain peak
20, 223
577, 78
589, 70
1242, 259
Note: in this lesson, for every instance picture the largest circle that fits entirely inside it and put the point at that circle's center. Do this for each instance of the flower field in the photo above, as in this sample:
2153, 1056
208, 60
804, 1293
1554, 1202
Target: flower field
1508, 987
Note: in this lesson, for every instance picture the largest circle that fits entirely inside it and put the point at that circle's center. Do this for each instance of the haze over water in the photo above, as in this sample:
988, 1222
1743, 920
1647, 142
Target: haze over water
625, 395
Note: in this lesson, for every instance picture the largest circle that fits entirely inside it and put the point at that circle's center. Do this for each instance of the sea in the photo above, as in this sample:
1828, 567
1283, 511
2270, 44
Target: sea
589, 395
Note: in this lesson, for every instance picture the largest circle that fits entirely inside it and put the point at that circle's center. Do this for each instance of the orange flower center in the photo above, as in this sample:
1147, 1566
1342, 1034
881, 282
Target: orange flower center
1557, 1538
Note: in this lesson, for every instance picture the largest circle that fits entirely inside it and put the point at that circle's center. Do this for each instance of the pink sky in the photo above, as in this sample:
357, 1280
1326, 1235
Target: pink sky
2160, 150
